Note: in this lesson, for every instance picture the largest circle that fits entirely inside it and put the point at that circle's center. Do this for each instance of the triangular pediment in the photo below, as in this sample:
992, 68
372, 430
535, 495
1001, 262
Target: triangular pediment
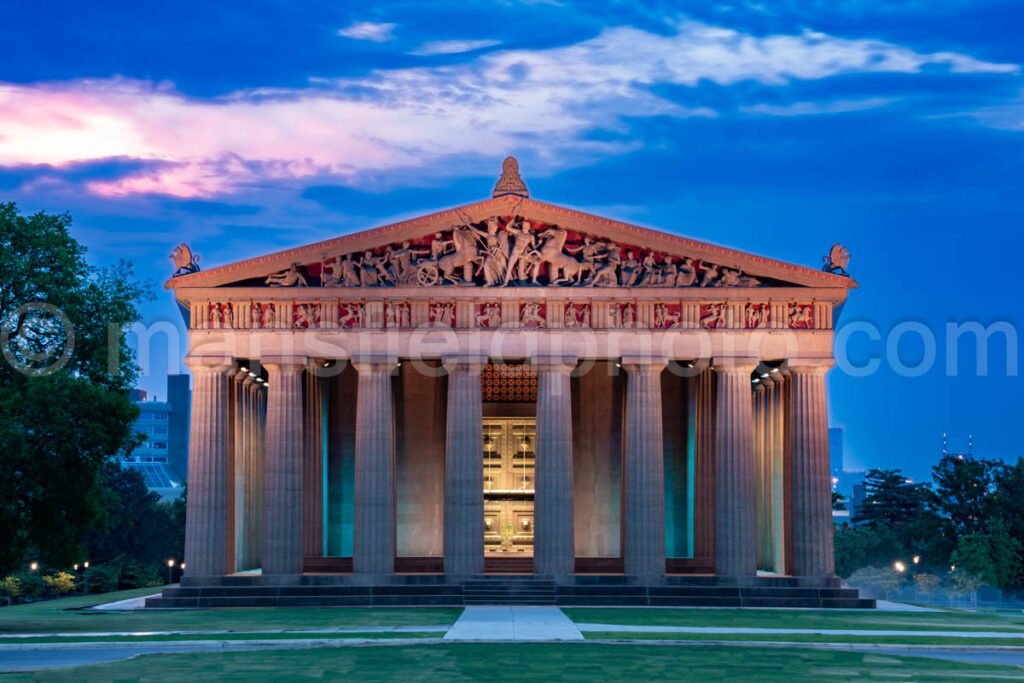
511, 241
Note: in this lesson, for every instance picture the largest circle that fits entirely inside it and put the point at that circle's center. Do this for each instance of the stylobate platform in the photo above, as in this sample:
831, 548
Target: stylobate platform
439, 590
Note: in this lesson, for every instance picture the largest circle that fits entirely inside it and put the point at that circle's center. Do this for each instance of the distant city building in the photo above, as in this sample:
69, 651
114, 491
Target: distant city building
179, 396
845, 481
162, 455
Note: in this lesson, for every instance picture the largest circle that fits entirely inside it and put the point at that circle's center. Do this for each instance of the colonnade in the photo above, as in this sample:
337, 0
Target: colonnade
249, 438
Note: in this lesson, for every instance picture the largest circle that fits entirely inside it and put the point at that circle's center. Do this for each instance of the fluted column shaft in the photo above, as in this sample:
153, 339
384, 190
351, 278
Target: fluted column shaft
282, 482
463, 473
735, 551
778, 449
206, 520
812, 490
554, 543
373, 543
643, 471
239, 461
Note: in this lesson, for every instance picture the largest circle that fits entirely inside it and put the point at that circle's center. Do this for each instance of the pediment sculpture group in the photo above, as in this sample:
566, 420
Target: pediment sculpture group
514, 254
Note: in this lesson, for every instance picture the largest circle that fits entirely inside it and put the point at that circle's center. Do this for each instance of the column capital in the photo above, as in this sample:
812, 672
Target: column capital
283, 365
556, 364
734, 364
807, 366
211, 364
638, 364
371, 363
473, 363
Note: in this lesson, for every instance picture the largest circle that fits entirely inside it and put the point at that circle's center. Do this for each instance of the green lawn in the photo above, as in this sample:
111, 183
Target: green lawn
64, 615
497, 663
738, 618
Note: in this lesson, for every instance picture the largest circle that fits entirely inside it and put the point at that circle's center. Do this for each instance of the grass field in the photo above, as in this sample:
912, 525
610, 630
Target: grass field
65, 615
819, 619
528, 662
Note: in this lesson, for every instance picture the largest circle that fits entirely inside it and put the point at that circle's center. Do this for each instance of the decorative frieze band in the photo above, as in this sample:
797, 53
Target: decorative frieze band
596, 314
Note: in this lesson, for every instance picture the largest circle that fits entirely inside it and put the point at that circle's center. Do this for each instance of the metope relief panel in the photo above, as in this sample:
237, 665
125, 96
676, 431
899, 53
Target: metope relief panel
487, 315
532, 315
576, 315
350, 315
801, 316
758, 316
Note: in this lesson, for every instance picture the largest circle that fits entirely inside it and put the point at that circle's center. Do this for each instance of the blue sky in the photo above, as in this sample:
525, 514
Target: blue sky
779, 128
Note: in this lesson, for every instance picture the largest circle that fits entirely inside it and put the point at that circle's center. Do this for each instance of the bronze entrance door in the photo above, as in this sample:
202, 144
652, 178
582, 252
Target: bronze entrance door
508, 486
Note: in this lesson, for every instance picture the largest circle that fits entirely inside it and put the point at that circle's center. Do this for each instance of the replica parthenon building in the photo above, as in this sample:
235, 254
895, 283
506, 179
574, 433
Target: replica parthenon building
509, 386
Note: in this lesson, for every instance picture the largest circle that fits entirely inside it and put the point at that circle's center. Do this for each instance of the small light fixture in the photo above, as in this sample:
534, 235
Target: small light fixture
252, 374
775, 370
170, 563
85, 565
917, 559
756, 380
899, 566
182, 566
244, 369
33, 566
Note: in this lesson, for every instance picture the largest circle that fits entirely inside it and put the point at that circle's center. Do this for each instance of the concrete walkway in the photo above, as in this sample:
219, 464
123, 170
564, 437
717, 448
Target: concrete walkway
513, 623
125, 605
724, 630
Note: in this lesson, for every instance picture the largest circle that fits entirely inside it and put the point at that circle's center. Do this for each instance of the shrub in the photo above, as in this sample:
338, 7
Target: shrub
32, 586
59, 584
104, 579
10, 588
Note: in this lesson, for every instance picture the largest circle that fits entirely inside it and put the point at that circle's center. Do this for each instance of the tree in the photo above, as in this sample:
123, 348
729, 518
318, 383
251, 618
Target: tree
891, 499
992, 555
838, 501
64, 404
963, 488
864, 546
1007, 504
137, 530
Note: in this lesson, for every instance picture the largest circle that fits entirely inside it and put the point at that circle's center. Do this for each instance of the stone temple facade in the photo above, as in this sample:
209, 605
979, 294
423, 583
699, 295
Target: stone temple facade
509, 388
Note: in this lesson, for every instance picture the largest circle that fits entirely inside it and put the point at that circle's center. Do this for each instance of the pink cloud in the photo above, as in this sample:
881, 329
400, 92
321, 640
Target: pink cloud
407, 118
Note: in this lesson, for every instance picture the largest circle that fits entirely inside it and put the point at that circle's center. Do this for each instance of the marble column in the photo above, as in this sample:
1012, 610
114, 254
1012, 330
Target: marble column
239, 459
778, 482
643, 470
463, 469
812, 488
282, 481
553, 544
206, 521
762, 514
312, 461
735, 551
373, 543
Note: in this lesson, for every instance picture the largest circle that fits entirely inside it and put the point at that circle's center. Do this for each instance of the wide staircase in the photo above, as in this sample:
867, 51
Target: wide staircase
508, 590
313, 590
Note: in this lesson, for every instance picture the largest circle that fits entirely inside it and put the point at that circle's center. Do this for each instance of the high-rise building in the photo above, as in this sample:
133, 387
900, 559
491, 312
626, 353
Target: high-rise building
162, 456
179, 396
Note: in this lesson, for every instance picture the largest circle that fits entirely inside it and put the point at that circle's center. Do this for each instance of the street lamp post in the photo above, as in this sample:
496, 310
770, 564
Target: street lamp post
85, 577
170, 570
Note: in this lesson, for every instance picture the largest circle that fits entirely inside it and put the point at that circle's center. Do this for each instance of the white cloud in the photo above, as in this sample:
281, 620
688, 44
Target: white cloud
368, 30
812, 108
547, 101
452, 47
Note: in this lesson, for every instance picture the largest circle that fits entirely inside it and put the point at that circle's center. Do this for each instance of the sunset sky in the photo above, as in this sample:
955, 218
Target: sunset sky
775, 127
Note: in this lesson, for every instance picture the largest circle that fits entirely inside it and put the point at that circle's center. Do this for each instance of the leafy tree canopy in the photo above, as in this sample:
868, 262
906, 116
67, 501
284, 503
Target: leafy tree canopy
64, 383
